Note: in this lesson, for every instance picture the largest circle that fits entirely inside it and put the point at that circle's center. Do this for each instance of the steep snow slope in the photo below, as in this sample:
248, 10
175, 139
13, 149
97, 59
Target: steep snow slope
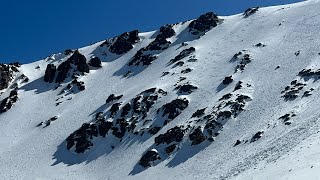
268, 147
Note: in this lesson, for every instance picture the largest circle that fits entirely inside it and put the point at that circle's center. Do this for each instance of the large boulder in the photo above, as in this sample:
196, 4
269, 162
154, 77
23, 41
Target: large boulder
149, 157
95, 62
50, 73
124, 43
204, 23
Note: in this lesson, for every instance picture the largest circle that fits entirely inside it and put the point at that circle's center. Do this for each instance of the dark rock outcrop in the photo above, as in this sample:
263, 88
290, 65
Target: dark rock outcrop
204, 23
50, 73
257, 136
124, 43
198, 113
81, 138
161, 42
149, 157
63, 70
170, 148
183, 54
113, 98
142, 59
172, 135
7, 74
95, 62
186, 88
174, 108
114, 109
250, 11
227, 80
197, 136
80, 61
76, 59
8, 102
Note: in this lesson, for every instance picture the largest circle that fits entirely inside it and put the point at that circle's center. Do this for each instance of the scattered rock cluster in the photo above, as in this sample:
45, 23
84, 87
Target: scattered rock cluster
287, 117
47, 122
243, 59
292, 92
125, 118
145, 56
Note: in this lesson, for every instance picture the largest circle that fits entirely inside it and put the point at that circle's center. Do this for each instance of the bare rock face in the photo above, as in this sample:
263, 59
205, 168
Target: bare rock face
204, 23
50, 73
124, 43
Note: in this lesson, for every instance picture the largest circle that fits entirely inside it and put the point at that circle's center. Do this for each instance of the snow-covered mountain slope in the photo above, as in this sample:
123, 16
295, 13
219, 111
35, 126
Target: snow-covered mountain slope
231, 97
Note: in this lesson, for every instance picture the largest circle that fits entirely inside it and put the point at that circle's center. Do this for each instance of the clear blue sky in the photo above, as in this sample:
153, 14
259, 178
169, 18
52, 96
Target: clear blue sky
33, 29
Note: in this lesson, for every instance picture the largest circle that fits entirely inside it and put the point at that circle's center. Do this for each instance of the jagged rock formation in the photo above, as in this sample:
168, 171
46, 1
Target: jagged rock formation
145, 56
124, 43
50, 73
7, 72
204, 23
8, 102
